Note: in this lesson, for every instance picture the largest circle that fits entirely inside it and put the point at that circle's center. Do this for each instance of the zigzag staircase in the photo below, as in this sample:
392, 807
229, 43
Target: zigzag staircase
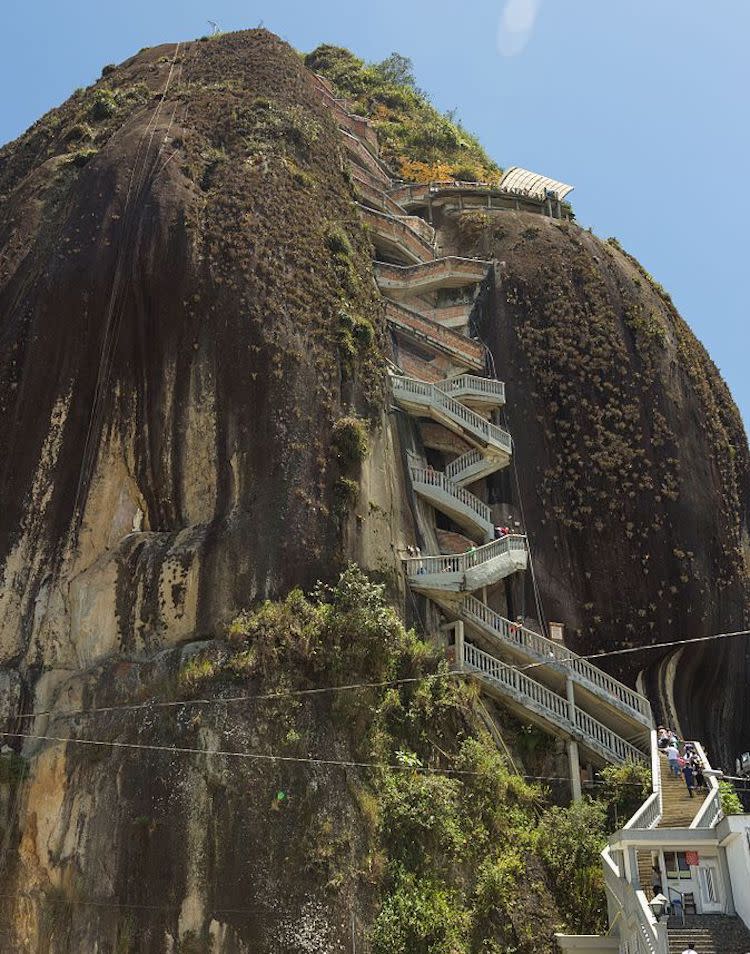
429, 306
542, 681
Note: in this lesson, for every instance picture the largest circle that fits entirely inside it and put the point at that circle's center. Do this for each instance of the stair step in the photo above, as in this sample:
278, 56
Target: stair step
711, 934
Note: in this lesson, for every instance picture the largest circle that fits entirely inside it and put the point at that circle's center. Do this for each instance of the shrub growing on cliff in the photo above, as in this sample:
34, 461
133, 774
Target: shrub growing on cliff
408, 126
730, 800
103, 105
570, 841
626, 787
350, 440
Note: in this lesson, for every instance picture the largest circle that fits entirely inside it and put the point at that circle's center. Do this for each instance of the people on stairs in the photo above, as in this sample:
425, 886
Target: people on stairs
673, 757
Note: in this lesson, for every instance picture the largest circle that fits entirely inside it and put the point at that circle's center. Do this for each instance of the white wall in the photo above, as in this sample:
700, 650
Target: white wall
738, 859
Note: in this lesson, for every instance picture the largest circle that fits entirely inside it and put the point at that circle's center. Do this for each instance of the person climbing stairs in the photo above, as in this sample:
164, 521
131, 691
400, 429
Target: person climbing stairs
678, 808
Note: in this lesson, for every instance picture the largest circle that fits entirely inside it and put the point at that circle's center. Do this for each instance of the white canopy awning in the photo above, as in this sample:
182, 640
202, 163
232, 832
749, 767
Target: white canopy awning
523, 182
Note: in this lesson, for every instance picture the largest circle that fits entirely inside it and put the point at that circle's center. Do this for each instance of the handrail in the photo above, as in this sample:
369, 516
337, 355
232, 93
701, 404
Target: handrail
434, 478
466, 351
592, 729
650, 812
462, 415
637, 926
414, 226
453, 264
554, 707
375, 165
710, 811
466, 383
681, 894
461, 562
463, 463
534, 644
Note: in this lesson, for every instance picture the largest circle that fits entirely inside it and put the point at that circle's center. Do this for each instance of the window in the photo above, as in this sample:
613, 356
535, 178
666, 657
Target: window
676, 865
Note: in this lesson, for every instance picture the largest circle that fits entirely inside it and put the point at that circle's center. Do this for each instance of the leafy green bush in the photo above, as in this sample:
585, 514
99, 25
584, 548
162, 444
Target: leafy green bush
730, 800
338, 241
626, 787
77, 132
350, 440
103, 105
346, 492
411, 131
195, 673
81, 157
570, 841
420, 916
421, 818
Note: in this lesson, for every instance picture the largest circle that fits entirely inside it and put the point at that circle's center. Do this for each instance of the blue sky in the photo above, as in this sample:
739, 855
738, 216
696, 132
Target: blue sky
642, 104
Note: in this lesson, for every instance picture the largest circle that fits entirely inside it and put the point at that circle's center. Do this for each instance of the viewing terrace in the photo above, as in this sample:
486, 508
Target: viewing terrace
458, 573
475, 391
518, 189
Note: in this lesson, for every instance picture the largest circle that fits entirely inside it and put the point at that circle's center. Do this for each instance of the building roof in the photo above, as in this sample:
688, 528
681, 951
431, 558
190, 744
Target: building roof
532, 184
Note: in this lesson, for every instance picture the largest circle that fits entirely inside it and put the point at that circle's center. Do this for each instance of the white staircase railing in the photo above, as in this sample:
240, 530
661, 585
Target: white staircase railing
465, 466
461, 562
490, 668
649, 814
599, 736
639, 930
546, 650
410, 390
556, 710
710, 811
427, 477
470, 384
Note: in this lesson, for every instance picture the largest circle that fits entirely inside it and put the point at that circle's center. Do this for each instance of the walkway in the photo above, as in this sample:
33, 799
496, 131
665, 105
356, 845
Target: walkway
553, 664
534, 702
466, 572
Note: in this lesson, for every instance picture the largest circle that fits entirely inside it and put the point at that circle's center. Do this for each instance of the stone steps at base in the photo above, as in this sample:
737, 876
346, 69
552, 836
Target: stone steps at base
710, 933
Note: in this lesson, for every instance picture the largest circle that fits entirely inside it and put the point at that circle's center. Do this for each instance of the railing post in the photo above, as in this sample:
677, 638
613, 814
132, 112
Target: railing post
570, 692
459, 644
575, 770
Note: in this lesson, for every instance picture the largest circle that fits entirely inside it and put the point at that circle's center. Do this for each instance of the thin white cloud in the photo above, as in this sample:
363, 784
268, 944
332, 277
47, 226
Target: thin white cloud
516, 25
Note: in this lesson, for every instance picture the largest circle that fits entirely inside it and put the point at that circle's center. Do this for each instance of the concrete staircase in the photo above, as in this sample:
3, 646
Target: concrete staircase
710, 933
678, 808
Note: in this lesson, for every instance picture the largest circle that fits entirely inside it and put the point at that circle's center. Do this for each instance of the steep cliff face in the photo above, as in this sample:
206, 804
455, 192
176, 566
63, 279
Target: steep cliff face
193, 354
181, 272
632, 464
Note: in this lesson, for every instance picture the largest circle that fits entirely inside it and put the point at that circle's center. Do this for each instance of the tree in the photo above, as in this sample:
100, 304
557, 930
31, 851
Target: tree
397, 69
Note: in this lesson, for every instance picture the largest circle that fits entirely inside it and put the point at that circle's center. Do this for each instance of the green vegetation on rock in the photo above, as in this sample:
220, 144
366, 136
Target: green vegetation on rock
730, 800
420, 142
462, 853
